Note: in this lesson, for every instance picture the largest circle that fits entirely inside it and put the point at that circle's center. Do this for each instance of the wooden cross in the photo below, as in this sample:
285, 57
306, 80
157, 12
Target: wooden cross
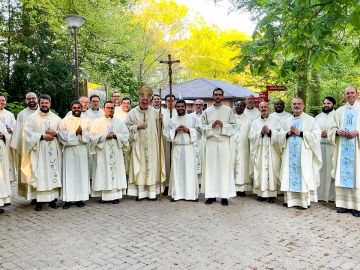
170, 62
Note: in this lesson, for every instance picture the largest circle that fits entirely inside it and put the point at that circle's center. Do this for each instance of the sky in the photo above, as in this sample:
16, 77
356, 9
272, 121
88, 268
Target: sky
220, 15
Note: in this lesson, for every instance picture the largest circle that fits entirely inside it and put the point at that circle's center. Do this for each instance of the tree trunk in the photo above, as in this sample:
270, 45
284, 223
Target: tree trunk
313, 96
302, 79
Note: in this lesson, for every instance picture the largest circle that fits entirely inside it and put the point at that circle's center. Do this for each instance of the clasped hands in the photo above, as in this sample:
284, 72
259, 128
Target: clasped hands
182, 128
49, 135
265, 130
217, 123
294, 130
347, 134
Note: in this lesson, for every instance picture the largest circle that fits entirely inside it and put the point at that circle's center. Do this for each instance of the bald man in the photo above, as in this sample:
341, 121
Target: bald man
299, 139
251, 112
344, 134
264, 155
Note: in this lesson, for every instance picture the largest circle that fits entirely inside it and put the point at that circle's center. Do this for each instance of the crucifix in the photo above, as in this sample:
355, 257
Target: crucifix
170, 62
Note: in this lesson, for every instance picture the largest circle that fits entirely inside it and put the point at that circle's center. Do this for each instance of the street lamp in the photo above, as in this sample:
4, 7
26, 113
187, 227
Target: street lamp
75, 21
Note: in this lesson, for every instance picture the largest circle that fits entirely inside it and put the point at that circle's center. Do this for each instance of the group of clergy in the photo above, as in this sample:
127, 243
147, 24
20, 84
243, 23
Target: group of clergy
114, 151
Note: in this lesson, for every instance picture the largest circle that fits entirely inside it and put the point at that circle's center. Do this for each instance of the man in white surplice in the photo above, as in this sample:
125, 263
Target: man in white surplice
167, 114
144, 172
95, 111
74, 135
326, 190
183, 130
42, 162
198, 112
5, 187
109, 137
251, 112
344, 134
301, 159
264, 155
18, 144
241, 151
124, 109
218, 122
8, 119
280, 113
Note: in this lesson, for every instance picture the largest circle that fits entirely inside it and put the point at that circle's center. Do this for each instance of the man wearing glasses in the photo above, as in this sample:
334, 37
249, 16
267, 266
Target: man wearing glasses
109, 138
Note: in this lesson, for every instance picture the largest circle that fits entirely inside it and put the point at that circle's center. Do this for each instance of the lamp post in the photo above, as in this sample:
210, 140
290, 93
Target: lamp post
75, 21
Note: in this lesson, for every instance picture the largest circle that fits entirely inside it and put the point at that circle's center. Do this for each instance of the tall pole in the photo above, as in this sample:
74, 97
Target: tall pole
170, 62
76, 65
160, 148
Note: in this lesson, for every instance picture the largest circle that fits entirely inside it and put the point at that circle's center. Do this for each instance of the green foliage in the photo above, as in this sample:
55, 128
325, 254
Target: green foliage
15, 107
293, 38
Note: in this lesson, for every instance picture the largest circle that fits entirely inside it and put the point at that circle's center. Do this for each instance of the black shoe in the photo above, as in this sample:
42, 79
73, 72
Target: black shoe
260, 199
271, 200
241, 193
33, 202
341, 210
7, 204
139, 200
196, 200
38, 206
117, 201
301, 208
224, 202
285, 204
356, 213
172, 200
53, 204
66, 205
166, 190
2, 211
152, 199
210, 200
101, 201
80, 204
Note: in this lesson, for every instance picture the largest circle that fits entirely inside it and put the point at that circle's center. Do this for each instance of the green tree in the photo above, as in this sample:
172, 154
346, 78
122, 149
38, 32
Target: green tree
298, 37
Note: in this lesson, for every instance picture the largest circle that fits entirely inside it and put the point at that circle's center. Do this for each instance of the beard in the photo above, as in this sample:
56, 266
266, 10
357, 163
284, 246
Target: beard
32, 105
76, 113
279, 110
44, 109
327, 110
181, 112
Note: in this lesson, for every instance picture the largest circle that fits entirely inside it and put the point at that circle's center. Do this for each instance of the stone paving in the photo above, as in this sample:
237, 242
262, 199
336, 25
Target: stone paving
182, 235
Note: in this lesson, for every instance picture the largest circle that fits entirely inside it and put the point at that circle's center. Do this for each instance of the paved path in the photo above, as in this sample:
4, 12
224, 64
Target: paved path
183, 235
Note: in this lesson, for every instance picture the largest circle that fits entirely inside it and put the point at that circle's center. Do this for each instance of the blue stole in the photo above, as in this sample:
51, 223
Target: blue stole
295, 157
347, 163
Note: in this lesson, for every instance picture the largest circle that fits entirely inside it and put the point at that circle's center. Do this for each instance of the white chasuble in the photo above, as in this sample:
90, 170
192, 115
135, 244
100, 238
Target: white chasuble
18, 144
5, 187
265, 158
218, 178
109, 176
75, 171
144, 171
300, 180
42, 163
8, 119
241, 154
183, 177
198, 145
346, 157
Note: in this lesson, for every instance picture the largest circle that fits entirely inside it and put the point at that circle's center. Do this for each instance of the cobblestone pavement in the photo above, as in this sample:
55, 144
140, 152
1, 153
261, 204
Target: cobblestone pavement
182, 235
